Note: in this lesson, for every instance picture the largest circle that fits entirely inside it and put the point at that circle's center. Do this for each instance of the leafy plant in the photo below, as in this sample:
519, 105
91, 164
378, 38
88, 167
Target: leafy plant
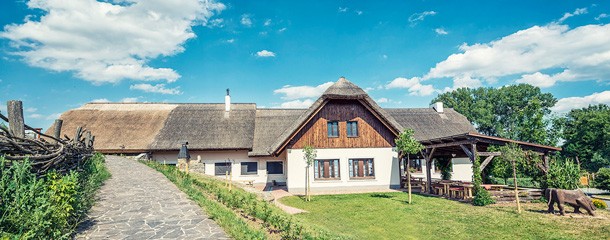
563, 174
309, 156
444, 164
481, 196
407, 145
599, 204
602, 179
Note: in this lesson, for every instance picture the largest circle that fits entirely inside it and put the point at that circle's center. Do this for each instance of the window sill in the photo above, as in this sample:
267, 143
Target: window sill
332, 180
362, 179
275, 174
352, 136
248, 175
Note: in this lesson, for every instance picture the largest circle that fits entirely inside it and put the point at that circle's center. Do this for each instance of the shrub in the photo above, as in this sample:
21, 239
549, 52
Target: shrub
562, 174
48, 207
481, 196
599, 204
602, 179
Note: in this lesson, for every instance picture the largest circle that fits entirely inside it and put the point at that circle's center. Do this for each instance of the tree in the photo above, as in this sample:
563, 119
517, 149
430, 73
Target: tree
518, 112
515, 155
602, 179
309, 157
587, 136
407, 145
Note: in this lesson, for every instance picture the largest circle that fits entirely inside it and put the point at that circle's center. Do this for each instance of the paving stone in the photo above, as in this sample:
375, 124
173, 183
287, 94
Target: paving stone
138, 202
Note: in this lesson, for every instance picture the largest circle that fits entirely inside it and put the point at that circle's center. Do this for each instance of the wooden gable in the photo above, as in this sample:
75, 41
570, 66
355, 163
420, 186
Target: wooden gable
371, 131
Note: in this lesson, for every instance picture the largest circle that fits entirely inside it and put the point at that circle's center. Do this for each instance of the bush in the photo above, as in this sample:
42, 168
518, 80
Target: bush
562, 174
599, 204
49, 207
247, 203
602, 179
481, 196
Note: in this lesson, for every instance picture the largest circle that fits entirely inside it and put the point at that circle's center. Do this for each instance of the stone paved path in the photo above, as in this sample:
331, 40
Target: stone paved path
138, 202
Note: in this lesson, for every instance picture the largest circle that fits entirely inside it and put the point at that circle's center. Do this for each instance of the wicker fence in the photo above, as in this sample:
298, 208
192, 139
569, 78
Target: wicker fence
45, 152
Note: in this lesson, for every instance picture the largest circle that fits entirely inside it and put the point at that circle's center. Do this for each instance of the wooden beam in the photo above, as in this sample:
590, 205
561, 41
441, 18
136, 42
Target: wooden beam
468, 152
57, 130
449, 144
487, 161
15, 118
486, 154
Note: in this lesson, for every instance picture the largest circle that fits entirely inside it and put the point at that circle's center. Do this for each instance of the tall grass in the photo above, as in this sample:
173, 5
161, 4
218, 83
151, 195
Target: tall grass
49, 207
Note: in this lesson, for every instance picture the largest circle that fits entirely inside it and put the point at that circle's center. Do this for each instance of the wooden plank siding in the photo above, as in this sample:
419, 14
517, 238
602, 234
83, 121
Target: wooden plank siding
371, 132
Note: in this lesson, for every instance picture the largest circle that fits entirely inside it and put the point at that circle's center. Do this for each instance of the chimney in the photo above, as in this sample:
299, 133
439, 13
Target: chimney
438, 106
227, 102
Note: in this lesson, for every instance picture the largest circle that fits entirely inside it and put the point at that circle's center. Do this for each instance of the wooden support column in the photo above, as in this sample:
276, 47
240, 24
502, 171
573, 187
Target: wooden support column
428, 157
57, 130
15, 118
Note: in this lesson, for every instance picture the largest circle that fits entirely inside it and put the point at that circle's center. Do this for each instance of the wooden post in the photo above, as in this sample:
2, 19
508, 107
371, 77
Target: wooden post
516, 188
57, 130
15, 118
88, 142
428, 158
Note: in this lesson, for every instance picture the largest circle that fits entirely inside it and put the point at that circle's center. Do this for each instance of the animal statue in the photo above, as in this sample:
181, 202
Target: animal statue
575, 198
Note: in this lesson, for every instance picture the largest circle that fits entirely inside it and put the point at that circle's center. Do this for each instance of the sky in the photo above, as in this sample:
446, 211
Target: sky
57, 55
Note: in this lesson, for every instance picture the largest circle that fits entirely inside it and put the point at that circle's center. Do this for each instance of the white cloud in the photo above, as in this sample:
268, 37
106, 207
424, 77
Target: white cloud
582, 53
383, 100
232, 40
576, 12
567, 104
53, 116
104, 42
384, 56
35, 116
246, 20
441, 31
31, 109
343, 9
265, 53
282, 29
100, 100
129, 100
216, 23
158, 88
297, 104
418, 17
601, 16
359, 12
413, 85
300, 92
267, 22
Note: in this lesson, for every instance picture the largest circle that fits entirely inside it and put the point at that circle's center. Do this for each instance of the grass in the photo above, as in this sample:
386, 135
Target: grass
388, 216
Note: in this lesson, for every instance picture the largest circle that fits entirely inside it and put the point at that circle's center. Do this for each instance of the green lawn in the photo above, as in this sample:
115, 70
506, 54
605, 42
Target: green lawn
388, 216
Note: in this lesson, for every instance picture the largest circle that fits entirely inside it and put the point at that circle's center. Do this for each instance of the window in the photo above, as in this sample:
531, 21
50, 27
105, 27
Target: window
361, 168
275, 167
249, 168
222, 168
416, 165
352, 129
333, 129
326, 169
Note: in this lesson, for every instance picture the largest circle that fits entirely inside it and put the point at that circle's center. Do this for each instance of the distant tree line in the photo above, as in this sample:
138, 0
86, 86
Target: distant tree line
522, 112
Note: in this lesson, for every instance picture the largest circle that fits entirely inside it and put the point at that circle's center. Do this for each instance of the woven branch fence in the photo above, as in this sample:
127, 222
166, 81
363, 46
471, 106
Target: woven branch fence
44, 152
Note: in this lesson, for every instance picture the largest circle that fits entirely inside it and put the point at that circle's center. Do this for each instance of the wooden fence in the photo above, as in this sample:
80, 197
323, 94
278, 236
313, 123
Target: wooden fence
46, 153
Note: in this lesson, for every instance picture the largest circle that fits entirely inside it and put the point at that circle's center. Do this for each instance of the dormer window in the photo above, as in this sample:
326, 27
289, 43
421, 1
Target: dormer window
352, 129
333, 128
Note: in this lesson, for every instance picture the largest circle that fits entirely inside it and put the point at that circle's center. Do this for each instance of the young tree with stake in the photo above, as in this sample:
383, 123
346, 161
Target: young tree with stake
407, 145
309, 157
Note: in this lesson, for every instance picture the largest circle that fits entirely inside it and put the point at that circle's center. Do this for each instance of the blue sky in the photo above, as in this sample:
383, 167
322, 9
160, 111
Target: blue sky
58, 55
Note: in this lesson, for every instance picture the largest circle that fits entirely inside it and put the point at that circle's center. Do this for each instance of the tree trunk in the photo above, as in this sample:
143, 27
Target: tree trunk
307, 197
409, 177
516, 190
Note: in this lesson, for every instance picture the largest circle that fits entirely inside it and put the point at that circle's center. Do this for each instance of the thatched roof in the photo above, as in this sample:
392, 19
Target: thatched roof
430, 124
118, 126
139, 127
207, 126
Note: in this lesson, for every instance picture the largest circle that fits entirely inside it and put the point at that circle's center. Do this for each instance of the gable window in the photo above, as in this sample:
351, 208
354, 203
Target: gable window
352, 129
221, 168
361, 168
326, 169
333, 128
275, 167
249, 168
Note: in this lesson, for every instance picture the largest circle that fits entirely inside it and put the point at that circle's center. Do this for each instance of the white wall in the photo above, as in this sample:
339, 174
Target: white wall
209, 158
462, 169
385, 166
